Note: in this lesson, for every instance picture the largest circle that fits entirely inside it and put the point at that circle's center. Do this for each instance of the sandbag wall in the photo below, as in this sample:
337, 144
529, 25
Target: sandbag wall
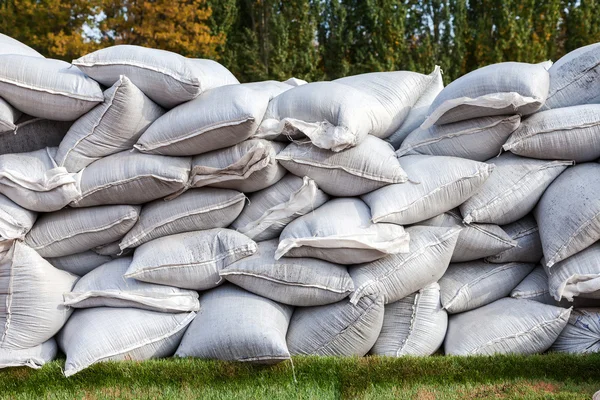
152, 206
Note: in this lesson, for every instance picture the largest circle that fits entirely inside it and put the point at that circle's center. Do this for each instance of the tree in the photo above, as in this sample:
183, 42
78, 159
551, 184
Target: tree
181, 26
55, 28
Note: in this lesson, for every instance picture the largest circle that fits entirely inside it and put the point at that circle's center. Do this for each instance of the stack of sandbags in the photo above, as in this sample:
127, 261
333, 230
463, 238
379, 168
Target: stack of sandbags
182, 213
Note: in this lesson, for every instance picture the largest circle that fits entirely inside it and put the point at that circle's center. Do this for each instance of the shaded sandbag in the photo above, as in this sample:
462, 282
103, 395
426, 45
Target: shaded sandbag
370, 165
574, 78
195, 210
399, 275
79, 264
437, 184
218, 118
418, 113
106, 286
9, 45
571, 133
31, 298
103, 334
130, 177
466, 286
15, 222
581, 334
568, 214
512, 191
47, 88
341, 231
71, 231
476, 139
334, 116
415, 325
109, 128
475, 241
499, 89
8, 116
35, 182
294, 281
189, 260
506, 326
578, 275
534, 287
112, 249
272, 209
165, 77
34, 357
396, 91
31, 134
526, 234
338, 329
248, 166
250, 328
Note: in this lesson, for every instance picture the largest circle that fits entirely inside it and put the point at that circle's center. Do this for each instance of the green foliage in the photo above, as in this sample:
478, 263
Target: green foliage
313, 39
516, 377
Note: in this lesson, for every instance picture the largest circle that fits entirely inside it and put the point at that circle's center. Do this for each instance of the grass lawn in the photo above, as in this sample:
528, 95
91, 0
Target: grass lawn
507, 377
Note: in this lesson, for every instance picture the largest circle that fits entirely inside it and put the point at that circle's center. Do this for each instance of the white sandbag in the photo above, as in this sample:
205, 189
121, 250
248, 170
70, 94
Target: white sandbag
534, 287
130, 177
103, 334
568, 214
571, 133
338, 329
269, 88
72, 231
581, 334
189, 260
236, 325
574, 78
34, 357
15, 222
332, 115
106, 286
368, 166
112, 249
8, 116
111, 127
195, 210
475, 241
9, 45
35, 182
341, 231
466, 286
476, 139
418, 113
211, 74
506, 326
399, 275
272, 209
47, 88
295, 82
415, 325
526, 234
437, 184
165, 77
513, 190
218, 118
397, 91
248, 166
31, 303
295, 281
578, 275
79, 264
31, 134
498, 89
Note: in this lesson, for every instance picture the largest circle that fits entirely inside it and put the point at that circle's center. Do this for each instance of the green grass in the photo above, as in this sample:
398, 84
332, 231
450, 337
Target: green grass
511, 377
